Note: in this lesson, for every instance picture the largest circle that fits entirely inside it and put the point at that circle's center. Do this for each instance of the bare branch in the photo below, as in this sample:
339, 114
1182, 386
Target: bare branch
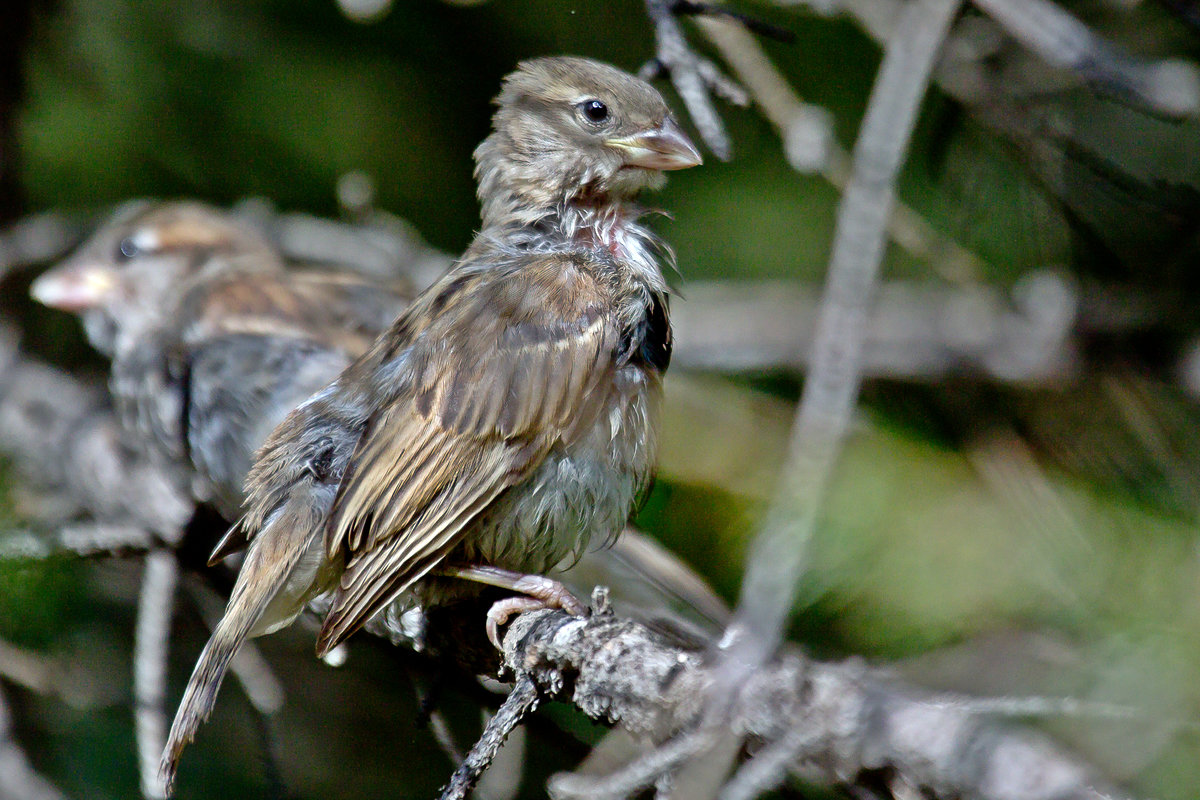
693, 77
914, 331
808, 143
1169, 87
826, 722
151, 641
779, 553
84, 540
34, 671
522, 700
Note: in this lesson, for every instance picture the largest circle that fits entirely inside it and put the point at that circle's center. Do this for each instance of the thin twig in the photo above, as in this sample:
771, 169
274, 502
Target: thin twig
34, 671
82, 540
769, 767
633, 776
808, 143
693, 77
522, 700
916, 330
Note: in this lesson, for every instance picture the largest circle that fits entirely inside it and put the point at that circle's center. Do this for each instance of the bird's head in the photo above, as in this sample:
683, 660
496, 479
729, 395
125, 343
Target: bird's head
127, 275
570, 129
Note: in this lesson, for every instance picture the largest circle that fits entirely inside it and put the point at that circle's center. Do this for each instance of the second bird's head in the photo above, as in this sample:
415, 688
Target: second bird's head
123, 279
571, 128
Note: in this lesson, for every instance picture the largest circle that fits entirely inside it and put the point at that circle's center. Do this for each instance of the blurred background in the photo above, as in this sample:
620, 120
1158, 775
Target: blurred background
1014, 516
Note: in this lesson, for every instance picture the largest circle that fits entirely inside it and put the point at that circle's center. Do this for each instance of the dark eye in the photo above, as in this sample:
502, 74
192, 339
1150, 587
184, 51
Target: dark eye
594, 110
127, 249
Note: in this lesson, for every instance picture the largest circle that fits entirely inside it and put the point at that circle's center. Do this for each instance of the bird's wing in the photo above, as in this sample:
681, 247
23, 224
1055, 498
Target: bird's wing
507, 361
337, 311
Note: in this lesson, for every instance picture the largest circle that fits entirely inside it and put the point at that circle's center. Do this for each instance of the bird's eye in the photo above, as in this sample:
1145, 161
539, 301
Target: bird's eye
127, 249
594, 111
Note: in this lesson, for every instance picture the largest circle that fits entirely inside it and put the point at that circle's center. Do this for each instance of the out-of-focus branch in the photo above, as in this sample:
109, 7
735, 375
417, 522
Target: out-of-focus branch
33, 671
1169, 87
807, 134
779, 553
18, 780
151, 644
40, 238
915, 331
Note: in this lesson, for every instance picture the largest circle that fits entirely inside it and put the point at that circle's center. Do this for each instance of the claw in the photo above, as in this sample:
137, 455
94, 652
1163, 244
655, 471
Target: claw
501, 610
538, 592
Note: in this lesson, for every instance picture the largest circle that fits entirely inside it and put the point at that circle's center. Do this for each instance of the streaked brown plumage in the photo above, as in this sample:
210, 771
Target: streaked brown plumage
507, 419
213, 341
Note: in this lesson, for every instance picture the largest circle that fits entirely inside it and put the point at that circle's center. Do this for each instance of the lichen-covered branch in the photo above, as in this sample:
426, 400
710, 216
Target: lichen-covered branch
830, 723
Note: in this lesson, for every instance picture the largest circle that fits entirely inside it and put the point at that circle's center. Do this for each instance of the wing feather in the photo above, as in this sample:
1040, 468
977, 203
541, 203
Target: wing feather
500, 374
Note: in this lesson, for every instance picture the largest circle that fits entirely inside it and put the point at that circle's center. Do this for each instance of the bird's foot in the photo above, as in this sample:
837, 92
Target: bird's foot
537, 592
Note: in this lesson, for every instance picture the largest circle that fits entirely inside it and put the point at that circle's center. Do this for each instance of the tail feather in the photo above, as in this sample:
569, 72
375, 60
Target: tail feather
200, 696
265, 571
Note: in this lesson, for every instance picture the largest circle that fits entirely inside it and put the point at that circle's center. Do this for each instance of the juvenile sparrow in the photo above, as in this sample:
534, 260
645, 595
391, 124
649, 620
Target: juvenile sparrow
507, 419
213, 340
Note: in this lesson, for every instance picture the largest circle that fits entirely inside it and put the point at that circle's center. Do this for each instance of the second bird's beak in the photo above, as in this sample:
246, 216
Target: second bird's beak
74, 287
664, 147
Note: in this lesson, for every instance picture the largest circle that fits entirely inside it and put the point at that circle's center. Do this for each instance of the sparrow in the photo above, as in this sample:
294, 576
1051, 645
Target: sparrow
503, 422
213, 338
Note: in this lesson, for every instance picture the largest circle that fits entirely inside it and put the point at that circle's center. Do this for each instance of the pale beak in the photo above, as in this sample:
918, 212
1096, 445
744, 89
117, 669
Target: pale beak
75, 286
664, 147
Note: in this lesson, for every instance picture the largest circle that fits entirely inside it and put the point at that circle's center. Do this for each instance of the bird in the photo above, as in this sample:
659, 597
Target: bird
506, 419
213, 337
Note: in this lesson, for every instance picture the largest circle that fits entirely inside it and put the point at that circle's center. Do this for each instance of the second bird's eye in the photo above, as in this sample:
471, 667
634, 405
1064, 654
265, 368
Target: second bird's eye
594, 110
128, 248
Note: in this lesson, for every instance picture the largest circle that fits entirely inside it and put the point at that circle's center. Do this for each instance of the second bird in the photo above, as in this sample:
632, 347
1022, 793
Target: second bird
507, 419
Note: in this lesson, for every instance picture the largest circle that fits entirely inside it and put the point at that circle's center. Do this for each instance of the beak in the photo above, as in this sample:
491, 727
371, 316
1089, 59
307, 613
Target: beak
664, 147
75, 286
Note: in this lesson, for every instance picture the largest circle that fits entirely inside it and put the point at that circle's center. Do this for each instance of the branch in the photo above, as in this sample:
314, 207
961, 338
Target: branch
779, 553
521, 701
914, 331
806, 131
151, 644
1170, 87
695, 78
830, 723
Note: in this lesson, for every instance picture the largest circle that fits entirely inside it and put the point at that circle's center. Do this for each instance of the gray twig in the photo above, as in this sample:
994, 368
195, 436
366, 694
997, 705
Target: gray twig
150, 649
916, 330
694, 78
82, 540
1170, 87
633, 776
521, 701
